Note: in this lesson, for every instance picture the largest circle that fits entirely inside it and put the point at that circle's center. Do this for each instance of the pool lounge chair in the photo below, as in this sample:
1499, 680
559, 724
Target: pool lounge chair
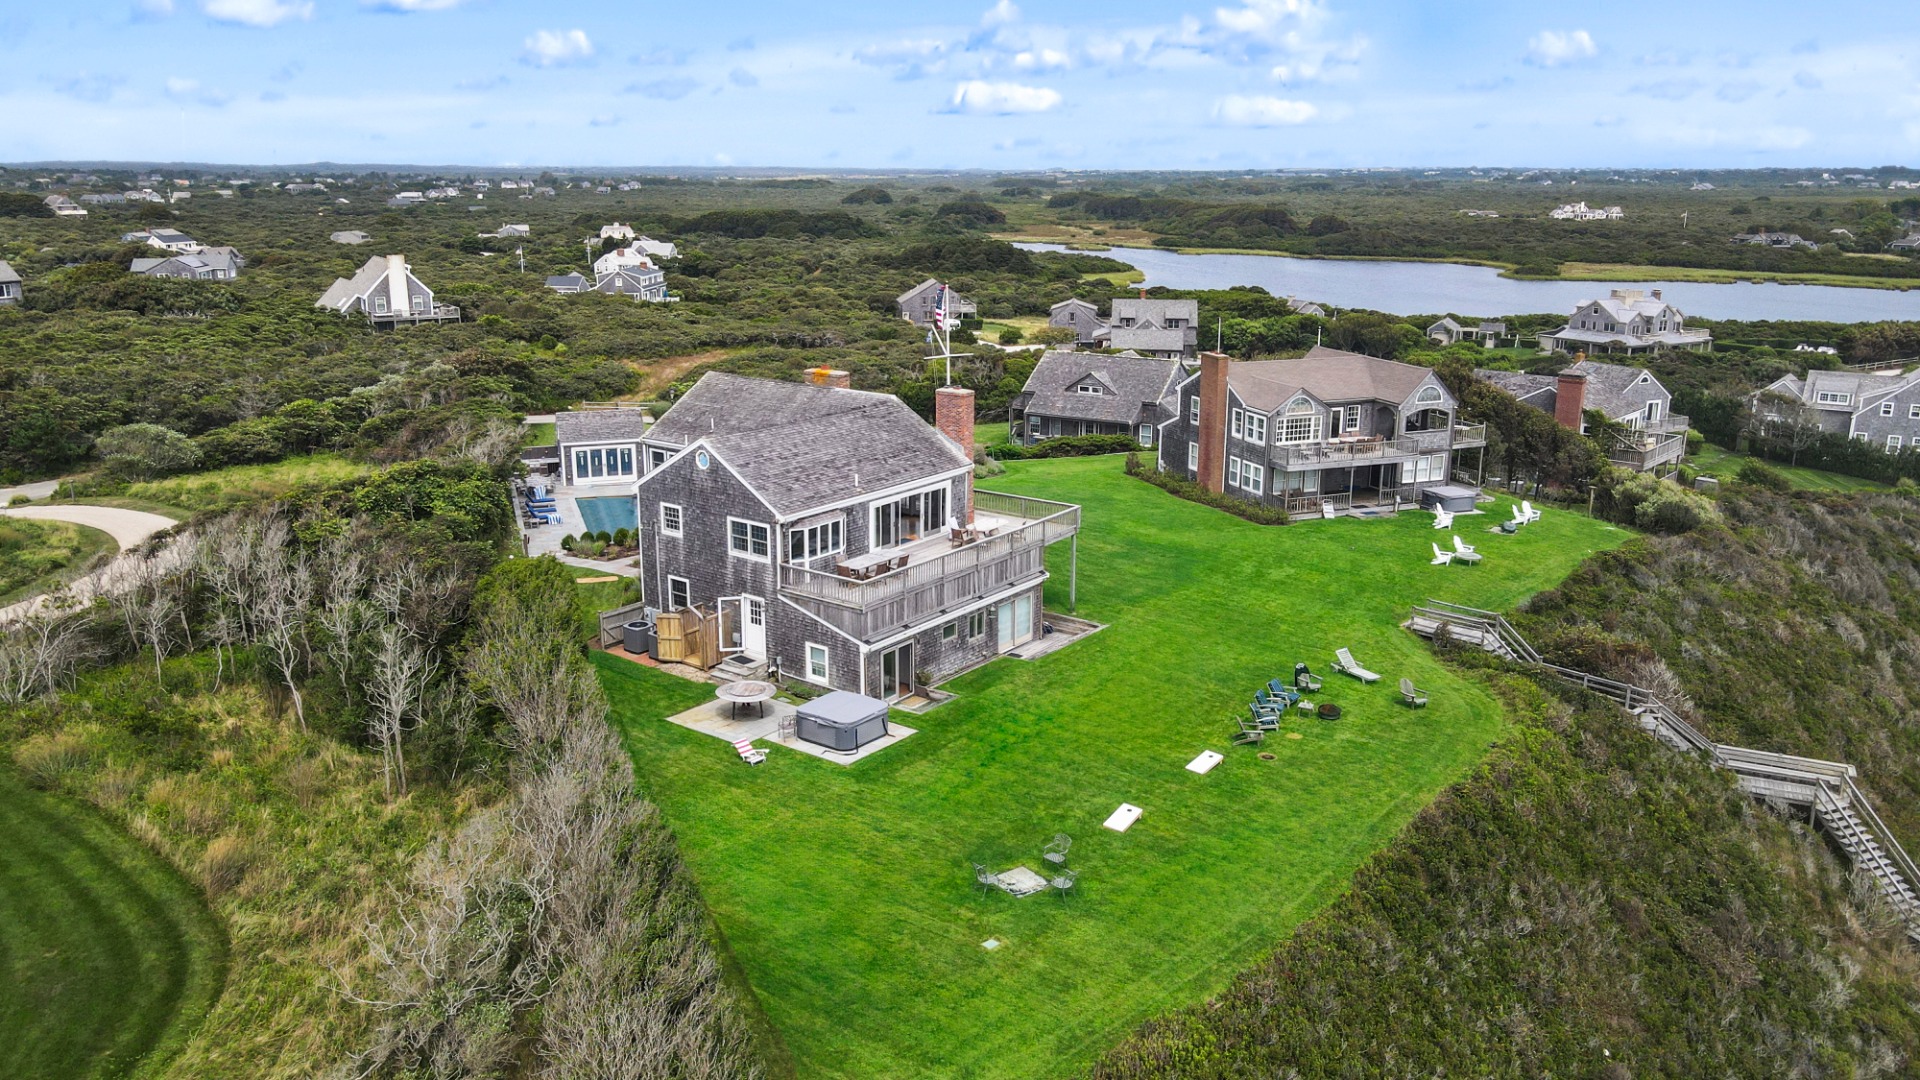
1412, 695
1464, 551
1344, 662
748, 752
1440, 558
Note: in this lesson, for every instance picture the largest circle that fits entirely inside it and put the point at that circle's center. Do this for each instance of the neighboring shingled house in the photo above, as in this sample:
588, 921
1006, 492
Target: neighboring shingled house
917, 304
1080, 316
1628, 396
1627, 321
1165, 328
640, 282
1076, 393
568, 283
172, 240
598, 447
1448, 332
837, 536
1882, 408
9, 284
350, 236
387, 293
207, 264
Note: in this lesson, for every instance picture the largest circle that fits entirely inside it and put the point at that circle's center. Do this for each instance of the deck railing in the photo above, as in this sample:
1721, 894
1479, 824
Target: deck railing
1649, 453
945, 583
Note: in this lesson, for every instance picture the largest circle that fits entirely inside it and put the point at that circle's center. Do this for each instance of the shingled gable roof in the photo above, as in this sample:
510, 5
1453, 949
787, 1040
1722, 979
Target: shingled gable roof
1135, 382
599, 425
1540, 391
801, 446
1610, 387
1330, 375
7, 275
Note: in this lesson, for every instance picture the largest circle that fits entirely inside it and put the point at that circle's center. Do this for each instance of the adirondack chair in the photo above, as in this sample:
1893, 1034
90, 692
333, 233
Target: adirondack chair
1344, 662
1275, 702
1464, 551
1412, 695
1327, 511
1442, 519
1249, 733
1264, 719
1282, 694
1441, 558
1304, 679
749, 753
1528, 512
1519, 518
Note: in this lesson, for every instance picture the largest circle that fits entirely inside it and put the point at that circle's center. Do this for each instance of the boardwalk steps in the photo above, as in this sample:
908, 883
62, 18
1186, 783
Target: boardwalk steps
1826, 789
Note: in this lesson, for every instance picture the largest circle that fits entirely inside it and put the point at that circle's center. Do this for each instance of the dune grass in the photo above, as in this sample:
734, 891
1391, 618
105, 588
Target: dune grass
39, 555
238, 485
845, 892
110, 958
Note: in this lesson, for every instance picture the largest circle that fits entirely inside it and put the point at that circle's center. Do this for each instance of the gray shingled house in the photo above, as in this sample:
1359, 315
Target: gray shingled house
207, 264
1882, 408
916, 304
599, 447
1165, 328
838, 535
1655, 436
9, 284
387, 294
1076, 393
1080, 316
1328, 433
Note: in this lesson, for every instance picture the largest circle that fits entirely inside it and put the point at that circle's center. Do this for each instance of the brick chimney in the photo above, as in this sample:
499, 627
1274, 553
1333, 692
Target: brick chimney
1570, 401
953, 415
830, 377
1213, 421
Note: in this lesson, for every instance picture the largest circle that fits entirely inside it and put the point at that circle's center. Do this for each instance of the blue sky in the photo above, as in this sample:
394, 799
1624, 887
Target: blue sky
1013, 85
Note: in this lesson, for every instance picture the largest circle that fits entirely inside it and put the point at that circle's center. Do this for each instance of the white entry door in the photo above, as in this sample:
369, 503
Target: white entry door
1015, 621
753, 627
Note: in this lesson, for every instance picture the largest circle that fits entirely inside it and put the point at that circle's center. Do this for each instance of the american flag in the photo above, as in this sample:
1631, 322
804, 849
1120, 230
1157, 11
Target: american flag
940, 308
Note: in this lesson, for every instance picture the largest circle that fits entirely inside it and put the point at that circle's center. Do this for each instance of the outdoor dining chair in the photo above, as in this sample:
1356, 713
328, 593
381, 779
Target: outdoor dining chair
1063, 884
984, 878
1056, 851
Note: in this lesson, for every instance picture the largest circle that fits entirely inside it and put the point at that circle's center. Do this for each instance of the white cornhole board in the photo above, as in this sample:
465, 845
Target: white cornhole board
1122, 819
1205, 762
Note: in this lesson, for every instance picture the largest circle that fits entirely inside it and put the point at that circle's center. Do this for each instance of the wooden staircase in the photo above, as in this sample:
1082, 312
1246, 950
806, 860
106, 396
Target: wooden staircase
1825, 788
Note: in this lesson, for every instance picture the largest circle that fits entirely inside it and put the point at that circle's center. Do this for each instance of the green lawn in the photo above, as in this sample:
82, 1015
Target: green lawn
845, 893
109, 959
39, 555
537, 434
1725, 464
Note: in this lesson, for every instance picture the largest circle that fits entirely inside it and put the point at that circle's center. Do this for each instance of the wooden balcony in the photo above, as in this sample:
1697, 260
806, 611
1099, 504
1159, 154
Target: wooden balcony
1648, 451
939, 580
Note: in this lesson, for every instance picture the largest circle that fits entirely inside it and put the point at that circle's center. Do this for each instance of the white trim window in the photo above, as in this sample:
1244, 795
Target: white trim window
1256, 428
1893, 444
1913, 412
657, 457
748, 539
1193, 409
819, 662
907, 518
1233, 472
1346, 419
1298, 429
825, 538
679, 593
1253, 477
1146, 434
1886, 408
1429, 395
1089, 388
1238, 423
1424, 470
608, 463
1193, 457
673, 520
1832, 397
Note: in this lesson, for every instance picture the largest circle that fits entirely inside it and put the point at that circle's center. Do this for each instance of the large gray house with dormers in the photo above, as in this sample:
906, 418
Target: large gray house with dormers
1880, 408
837, 535
1168, 329
1076, 393
1653, 436
1627, 321
1331, 432
386, 293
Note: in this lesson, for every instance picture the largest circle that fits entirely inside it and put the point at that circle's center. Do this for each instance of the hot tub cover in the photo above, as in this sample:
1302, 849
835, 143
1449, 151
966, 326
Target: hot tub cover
843, 708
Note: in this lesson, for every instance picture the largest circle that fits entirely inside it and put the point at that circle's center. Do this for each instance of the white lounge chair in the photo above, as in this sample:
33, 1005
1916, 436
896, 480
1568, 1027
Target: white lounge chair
749, 753
1441, 558
1530, 513
1343, 661
1519, 518
1327, 511
1464, 551
1442, 519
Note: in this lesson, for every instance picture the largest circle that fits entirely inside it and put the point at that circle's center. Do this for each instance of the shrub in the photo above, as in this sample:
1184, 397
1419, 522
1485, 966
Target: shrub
147, 450
622, 537
603, 536
1010, 336
1647, 502
1070, 446
48, 757
1054, 335
1181, 487
1760, 475
567, 542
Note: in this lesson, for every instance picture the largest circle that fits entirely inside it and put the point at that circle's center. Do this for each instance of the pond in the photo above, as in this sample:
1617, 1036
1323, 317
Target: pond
1416, 288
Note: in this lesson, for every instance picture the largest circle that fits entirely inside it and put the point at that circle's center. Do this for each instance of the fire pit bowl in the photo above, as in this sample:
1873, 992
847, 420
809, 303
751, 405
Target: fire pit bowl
1329, 712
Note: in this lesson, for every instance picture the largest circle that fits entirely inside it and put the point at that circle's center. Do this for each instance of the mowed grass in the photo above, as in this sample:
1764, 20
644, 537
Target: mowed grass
1725, 465
108, 957
845, 892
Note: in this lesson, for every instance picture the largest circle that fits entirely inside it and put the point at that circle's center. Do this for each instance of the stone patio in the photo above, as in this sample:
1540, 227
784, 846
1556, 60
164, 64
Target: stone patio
716, 718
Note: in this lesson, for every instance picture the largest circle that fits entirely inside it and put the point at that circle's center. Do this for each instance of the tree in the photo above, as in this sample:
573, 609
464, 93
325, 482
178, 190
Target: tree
147, 450
1781, 421
1054, 335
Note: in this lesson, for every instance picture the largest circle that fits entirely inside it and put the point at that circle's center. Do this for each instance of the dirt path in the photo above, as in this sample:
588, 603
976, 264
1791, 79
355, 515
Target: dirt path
657, 375
129, 529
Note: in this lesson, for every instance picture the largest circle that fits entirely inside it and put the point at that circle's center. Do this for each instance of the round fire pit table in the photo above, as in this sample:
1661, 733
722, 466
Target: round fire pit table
754, 692
1329, 712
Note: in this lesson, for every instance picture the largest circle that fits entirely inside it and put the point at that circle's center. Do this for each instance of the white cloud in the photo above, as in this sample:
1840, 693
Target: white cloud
1274, 20
153, 7
1000, 14
405, 6
262, 13
1002, 98
1040, 60
1555, 48
555, 48
1245, 111
181, 89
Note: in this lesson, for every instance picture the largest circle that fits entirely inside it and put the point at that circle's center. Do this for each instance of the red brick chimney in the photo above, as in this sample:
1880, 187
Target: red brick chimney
953, 415
1213, 421
831, 377
1570, 401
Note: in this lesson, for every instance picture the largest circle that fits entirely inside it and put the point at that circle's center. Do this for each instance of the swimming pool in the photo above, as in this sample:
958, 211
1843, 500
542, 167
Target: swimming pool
608, 514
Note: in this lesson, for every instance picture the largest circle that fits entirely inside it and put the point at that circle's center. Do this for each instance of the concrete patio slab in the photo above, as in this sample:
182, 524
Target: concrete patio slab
717, 719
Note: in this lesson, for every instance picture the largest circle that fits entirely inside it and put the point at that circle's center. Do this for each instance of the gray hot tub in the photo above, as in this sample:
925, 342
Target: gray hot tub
1452, 498
842, 720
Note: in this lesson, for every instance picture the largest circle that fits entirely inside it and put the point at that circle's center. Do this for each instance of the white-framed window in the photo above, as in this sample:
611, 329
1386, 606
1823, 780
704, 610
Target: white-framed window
1861, 435
1088, 388
1428, 395
679, 593
1886, 408
656, 457
1193, 409
1193, 457
748, 539
1253, 477
950, 631
1893, 444
1832, 397
673, 520
1237, 423
815, 541
1424, 470
1653, 412
1146, 434
1233, 472
1346, 419
1256, 428
977, 623
1913, 412
817, 660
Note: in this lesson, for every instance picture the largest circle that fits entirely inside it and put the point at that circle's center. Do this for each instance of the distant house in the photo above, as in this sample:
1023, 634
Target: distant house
350, 236
599, 447
1079, 393
64, 207
170, 240
1781, 240
1445, 332
109, 198
207, 264
1448, 332
658, 249
918, 304
616, 231
302, 189
407, 198
1655, 436
1881, 408
9, 285
1580, 211
1080, 316
510, 231
1307, 308
622, 258
1164, 328
1627, 321
1910, 243
642, 283
386, 293
567, 283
